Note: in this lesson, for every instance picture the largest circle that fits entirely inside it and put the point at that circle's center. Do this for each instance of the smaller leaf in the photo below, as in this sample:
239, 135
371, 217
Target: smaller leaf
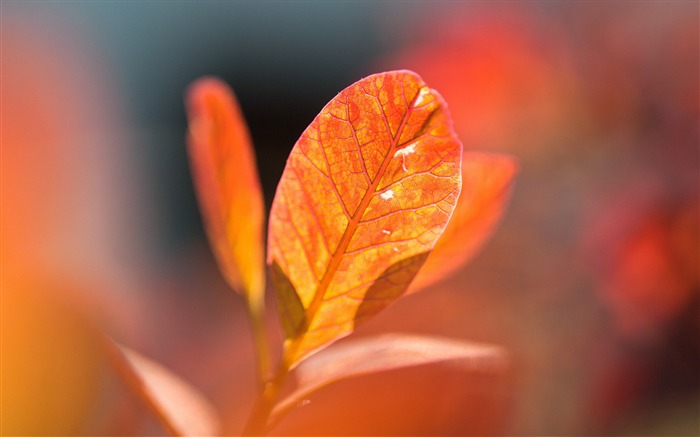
178, 406
385, 353
227, 184
487, 182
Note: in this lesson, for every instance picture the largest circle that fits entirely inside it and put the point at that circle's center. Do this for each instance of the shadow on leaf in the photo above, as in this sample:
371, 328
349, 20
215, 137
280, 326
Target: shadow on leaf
389, 286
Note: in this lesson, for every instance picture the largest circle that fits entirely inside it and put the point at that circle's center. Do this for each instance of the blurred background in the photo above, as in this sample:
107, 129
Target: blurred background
591, 282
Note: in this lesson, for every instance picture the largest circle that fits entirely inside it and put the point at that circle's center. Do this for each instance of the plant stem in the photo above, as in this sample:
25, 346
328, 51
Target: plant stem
257, 421
255, 303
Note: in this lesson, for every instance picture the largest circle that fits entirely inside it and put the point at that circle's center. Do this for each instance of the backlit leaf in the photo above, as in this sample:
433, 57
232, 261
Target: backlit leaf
385, 353
366, 192
487, 181
227, 184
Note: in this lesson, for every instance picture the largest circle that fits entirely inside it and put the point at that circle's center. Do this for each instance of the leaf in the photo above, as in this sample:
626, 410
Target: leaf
385, 353
226, 180
366, 192
178, 406
487, 182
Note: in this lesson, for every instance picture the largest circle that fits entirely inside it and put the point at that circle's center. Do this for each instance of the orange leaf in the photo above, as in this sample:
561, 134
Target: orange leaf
487, 181
227, 184
367, 190
384, 353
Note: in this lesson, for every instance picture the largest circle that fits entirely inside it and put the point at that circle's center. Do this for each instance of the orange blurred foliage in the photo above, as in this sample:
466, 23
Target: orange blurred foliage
505, 74
226, 178
66, 237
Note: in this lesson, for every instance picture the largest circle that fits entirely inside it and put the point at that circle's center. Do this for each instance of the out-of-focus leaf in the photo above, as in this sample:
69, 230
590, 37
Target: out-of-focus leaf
227, 184
53, 365
385, 353
487, 182
367, 190
501, 71
177, 405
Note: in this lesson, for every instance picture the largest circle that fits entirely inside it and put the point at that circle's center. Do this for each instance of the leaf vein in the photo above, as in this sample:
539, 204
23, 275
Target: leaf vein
357, 143
317, 219
304, 249
350, 229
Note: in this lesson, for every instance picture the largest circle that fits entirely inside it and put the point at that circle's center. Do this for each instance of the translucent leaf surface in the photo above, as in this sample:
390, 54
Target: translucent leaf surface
366, 192
227, 184
487, 182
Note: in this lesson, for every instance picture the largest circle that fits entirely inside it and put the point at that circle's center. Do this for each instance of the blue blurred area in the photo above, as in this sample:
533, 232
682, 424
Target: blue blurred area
284, 60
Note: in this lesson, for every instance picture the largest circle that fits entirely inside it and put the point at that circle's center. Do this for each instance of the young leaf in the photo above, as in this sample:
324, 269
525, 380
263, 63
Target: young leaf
385, 353
366, 192
227, 184
178, 406
487, 181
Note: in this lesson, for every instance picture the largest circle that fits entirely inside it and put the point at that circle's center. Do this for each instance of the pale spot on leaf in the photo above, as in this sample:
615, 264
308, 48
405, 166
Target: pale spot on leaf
421, 96
404, 152
389, 194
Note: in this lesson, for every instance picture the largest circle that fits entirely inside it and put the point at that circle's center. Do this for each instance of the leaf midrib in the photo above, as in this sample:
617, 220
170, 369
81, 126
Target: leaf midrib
352, 226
